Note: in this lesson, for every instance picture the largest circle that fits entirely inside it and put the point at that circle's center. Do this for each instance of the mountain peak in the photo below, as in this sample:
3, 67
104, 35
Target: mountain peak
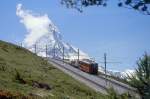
43, 33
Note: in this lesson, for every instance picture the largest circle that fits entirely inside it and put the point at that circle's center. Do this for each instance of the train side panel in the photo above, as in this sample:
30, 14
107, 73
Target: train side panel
85, 68
89, 67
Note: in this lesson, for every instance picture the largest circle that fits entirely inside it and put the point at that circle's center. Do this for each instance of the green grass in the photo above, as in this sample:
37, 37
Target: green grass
16, 61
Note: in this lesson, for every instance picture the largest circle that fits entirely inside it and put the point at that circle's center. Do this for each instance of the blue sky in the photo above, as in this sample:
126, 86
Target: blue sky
122, 33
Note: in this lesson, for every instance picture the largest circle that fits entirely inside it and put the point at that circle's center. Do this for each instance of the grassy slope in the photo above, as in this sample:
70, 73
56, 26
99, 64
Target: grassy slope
32, 67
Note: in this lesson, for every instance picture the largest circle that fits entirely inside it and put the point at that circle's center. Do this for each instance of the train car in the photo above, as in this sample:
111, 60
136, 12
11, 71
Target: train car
74, 63
88, 66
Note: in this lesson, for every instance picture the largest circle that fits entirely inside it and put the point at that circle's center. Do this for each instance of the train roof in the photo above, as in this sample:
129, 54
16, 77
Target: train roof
88, 61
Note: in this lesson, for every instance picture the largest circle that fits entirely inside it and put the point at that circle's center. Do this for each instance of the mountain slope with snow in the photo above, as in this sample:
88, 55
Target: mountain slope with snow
46, 36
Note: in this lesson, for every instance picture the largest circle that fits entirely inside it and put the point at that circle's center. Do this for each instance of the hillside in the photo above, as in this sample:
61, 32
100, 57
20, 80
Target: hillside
24, 74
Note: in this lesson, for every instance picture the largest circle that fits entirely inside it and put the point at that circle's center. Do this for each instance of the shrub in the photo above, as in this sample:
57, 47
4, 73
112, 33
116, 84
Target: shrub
2, 65
112, 94
141, 78
18, 77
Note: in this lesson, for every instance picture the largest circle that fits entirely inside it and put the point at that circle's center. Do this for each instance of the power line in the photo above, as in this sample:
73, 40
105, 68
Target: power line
105, 65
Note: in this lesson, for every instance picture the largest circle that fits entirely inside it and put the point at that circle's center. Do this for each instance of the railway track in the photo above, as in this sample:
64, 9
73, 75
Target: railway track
100, 82
117, 83
88, 82
81, 76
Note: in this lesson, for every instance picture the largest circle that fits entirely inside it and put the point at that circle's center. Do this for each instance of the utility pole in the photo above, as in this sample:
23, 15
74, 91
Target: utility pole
63, 54
54, 52
105, 63
21, 44
46, 51
78, 55
35, 48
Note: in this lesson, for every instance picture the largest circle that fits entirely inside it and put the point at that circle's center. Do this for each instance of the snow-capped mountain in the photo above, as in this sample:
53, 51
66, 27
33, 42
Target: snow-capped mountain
44, 37
55, 47
115, 73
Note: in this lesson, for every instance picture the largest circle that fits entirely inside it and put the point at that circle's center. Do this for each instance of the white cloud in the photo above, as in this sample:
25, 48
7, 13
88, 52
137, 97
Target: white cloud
36, 25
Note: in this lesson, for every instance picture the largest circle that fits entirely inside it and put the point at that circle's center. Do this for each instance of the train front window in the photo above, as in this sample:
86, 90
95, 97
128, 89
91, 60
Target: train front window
95, 65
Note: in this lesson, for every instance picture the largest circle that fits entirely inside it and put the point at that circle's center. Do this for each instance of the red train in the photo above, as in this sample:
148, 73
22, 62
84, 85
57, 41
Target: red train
86, 66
